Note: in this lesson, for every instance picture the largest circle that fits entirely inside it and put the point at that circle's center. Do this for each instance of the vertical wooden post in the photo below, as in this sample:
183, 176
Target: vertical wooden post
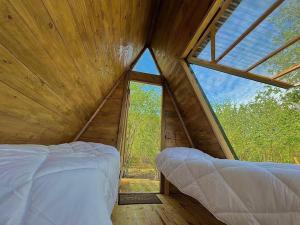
213, 43
121, 142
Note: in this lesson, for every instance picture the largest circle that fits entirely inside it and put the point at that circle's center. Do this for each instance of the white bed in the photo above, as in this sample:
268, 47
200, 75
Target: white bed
236, 192
67, 184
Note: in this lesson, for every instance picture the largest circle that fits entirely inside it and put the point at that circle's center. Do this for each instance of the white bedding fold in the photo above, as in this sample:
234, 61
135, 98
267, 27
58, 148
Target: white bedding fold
236, 192
67, 184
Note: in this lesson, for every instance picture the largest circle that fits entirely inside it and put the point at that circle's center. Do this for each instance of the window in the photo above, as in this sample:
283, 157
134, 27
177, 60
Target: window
262, 122
259, 40
146, 64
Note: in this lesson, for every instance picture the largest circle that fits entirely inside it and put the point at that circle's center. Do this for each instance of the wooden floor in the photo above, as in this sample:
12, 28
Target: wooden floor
175, 210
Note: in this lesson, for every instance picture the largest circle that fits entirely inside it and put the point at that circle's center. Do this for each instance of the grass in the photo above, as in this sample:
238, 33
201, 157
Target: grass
133, 185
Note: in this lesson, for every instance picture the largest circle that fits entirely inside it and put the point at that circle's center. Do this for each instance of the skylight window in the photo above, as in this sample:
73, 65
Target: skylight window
241, 19
278, 28
146, 64
255, 39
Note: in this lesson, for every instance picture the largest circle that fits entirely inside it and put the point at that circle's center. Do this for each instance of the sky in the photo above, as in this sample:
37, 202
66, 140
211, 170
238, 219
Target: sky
220, 87
146, 64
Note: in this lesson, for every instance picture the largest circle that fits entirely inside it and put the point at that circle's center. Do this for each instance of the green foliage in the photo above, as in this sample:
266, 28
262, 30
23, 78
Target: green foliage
268, 128
144, 126
287, 22
265, 129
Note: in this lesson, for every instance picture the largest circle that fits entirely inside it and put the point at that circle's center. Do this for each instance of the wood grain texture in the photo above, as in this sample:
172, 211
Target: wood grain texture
174, 134
173, 32
59, 59
176, 209
146, 78
104, 128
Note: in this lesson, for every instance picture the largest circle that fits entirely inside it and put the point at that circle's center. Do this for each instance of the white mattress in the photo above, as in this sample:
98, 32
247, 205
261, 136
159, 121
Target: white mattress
236, 192
67, 184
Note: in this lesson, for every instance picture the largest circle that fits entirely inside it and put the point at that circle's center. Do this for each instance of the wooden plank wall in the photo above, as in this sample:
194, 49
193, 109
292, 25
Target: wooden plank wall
172, 128
59, 59
173, 134
104, 128
175, 26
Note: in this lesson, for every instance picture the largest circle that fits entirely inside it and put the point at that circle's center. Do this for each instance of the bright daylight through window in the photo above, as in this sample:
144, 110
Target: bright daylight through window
261, 121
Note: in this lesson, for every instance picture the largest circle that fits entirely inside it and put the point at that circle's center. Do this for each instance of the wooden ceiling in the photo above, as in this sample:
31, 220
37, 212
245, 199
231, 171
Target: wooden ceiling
59, 58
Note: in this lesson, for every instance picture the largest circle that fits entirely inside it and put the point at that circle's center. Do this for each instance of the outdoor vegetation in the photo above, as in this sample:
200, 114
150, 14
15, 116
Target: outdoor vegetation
268, 127
143, 137
265, 129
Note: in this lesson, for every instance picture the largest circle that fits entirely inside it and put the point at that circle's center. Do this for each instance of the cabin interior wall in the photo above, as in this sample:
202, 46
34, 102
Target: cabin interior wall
167, 47
59, 59
104, 128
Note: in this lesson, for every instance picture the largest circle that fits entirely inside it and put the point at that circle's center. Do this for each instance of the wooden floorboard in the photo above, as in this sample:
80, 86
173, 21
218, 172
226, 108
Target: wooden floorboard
176, 209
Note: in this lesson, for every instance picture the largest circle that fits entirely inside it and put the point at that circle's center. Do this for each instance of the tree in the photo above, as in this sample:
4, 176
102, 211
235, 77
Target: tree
144, 126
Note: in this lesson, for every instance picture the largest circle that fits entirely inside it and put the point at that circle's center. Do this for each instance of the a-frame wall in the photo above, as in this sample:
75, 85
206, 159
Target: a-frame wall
103, 127
105, 124
168, 48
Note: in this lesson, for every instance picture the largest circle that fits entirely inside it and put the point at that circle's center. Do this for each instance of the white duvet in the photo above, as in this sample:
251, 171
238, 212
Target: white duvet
236, 192
67, 184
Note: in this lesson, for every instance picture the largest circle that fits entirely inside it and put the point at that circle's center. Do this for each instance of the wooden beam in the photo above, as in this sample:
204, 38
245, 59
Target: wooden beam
251, 28
145, 78
166, 187
137, 59
218, 131
239, 73
156, 63
123, 117
179, 115
202, 27
286, 71
213, 43
275, 52
152, 26
206, 31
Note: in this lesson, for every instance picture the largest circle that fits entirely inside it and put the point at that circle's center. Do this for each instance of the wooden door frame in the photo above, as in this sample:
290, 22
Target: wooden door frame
145, 78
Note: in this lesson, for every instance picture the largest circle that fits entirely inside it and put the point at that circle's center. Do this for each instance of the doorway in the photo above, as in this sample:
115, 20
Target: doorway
143, 140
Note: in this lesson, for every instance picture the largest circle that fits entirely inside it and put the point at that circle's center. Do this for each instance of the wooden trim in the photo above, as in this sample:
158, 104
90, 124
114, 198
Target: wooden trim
123, 116
166, 187
154, 17
179, 115
213, 43
216, 5
156, 63
206, 31
98, 109
145, 78
251, 28
163, 121
286, 71
289, 43
208, 112
162, 138
239, 73
137, 58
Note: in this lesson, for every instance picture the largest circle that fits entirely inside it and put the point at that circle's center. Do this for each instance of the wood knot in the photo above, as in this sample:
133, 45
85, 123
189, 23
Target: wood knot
6, 61
9, 17
50, 25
